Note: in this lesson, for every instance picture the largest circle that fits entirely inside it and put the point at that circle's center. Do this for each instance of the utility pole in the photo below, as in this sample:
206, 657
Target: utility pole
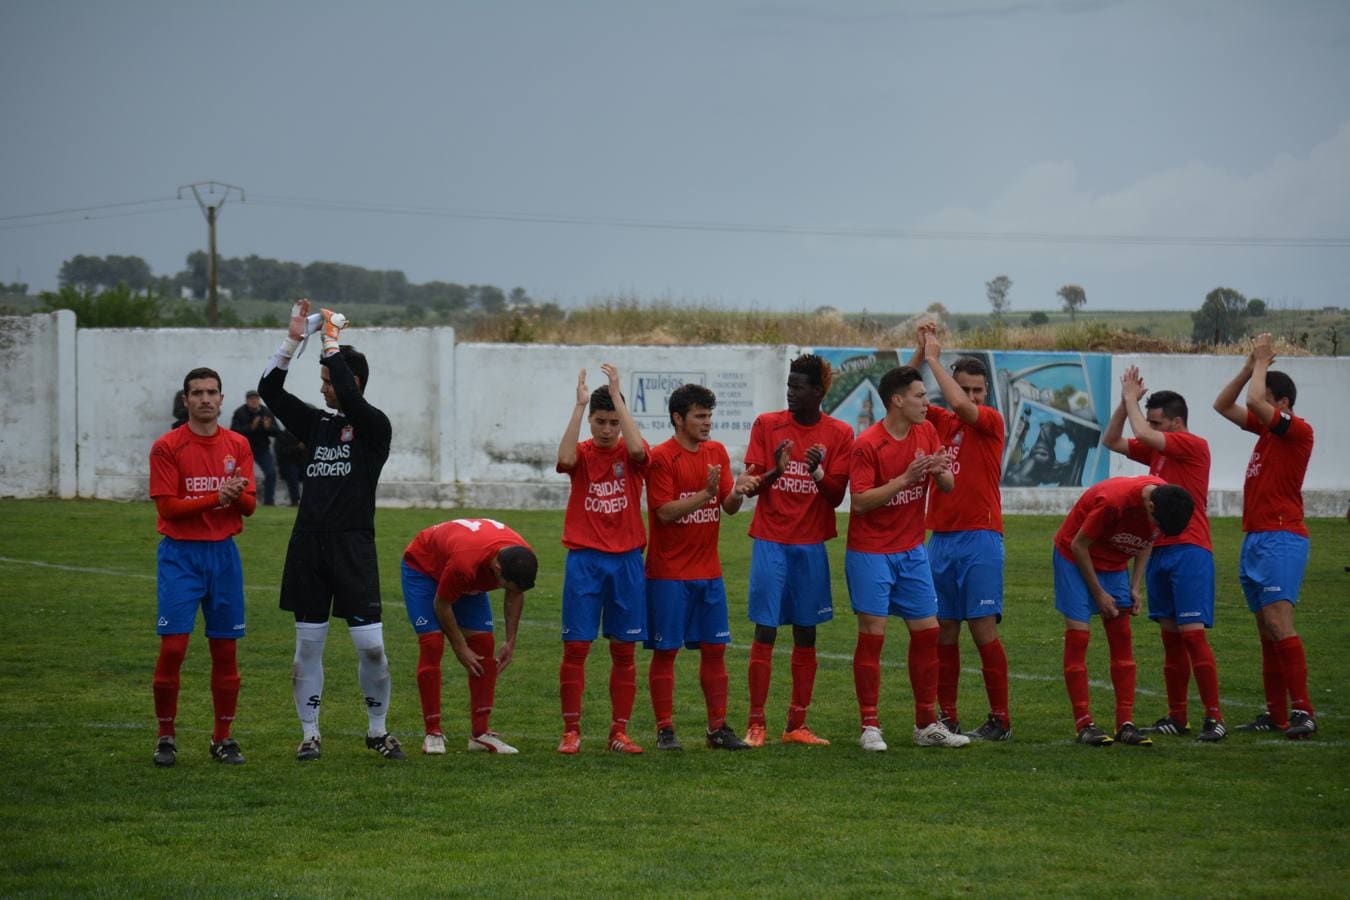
210, 210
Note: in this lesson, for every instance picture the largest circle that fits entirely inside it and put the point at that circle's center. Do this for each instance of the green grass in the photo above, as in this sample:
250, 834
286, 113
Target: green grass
85, 811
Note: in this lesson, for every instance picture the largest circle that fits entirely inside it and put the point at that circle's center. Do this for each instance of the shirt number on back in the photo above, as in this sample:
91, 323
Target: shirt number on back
475, 524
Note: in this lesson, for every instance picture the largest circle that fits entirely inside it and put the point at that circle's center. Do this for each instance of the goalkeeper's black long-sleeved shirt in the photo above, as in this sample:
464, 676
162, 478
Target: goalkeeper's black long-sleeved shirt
347, 450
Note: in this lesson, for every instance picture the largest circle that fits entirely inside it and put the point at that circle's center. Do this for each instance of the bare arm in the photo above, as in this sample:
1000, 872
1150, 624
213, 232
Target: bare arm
513, 605
1226, 404
1114, 436
567, 447
471, 661
1137, 580
1080, 547
1263, 354
1132, 388
965, 408
628, 427
678, 509
874, 498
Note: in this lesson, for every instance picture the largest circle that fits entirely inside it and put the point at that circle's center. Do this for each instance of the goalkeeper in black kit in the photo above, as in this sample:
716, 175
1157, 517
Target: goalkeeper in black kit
331, 566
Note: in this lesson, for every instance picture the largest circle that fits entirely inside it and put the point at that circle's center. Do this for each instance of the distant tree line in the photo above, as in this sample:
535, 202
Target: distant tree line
261, 278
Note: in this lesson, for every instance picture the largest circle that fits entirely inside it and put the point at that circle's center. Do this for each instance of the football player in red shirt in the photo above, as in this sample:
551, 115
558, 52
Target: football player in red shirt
1113, 521
801, 455
1275, 542
1180, 570
965, 550
199, 480
892, 466
604, 537
689, 486
447, 571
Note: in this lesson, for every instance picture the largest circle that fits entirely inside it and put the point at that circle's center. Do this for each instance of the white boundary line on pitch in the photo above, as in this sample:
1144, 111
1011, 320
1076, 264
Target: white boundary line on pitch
531, 623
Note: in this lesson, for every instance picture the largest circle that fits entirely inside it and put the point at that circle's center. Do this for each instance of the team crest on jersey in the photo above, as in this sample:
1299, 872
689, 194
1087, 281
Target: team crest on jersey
346, 436
229, 466
618, 470
960, 436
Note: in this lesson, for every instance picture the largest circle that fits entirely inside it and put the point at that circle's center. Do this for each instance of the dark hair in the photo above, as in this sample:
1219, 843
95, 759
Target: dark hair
817, 371
519, 566
1282, 387
896, 381
1172, 508
689, 395
356, 361
1172, 404
969, 365
601, 401
202, 372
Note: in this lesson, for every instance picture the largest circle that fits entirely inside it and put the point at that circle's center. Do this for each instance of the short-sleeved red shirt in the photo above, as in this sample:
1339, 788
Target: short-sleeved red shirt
1113, 515
686, 549
976, 451
1184, 461
877, 458
604, 509
792, 510
1272, 495
187, 465
459, 555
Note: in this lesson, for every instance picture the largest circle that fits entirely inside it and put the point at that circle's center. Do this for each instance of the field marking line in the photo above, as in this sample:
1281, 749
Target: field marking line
534, 623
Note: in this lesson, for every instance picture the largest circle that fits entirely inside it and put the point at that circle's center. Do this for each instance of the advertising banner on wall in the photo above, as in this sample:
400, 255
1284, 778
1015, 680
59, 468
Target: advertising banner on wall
1055, 405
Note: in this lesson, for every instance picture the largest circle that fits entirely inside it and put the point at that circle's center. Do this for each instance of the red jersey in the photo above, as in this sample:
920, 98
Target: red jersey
976, 452
1272, 495
793, 510
877, 458
686, 549
187, 466
1184, 461
604, 510
1112, 514
459, 555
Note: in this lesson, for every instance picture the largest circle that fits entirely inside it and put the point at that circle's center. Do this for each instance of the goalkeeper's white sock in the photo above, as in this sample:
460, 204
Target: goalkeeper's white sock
373, 672
307, 674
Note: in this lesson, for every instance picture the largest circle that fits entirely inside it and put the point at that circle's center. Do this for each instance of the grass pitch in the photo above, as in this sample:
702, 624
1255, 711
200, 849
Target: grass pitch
85, 811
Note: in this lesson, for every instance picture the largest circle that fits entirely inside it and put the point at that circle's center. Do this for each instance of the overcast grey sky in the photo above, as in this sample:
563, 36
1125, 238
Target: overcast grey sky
839, 131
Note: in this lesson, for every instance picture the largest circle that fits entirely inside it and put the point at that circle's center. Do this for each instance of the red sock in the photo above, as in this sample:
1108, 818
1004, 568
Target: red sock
867, 675
761, 670
994, 667
172, 649
1294, 665
712, 674
922, 661
572, 682
224, 685
949, 675
1176, 672
803, 683
1075, 675
482, 687
430, 649
1121, 645
661, 682
1206, 669
1272, 678
622, 685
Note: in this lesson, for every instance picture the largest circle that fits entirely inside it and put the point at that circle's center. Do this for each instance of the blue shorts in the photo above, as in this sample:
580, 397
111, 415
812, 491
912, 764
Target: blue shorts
1271, 567
1071, 592
473, 612
967, 573
891, 584
1180, 579
206, 574
686, 613
789, 584
596, 582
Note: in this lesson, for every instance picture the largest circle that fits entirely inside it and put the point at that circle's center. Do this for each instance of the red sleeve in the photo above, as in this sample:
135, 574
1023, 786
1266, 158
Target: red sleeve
1180, 446
449, 587
755, 453
248, 500
163, 471
1140, 452
989, 421
862, 469
834, 485
1298, 431
1100, 521
660, 483
173, 508
1254, 423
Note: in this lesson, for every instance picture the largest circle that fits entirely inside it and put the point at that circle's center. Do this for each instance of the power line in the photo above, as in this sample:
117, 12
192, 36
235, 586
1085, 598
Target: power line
84, 209
88, 218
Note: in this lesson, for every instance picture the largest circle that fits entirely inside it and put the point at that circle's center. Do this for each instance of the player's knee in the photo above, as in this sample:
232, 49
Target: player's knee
766, 634
804, 635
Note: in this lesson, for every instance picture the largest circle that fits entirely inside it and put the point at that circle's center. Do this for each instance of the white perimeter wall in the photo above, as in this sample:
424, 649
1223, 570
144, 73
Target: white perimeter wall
478, 424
